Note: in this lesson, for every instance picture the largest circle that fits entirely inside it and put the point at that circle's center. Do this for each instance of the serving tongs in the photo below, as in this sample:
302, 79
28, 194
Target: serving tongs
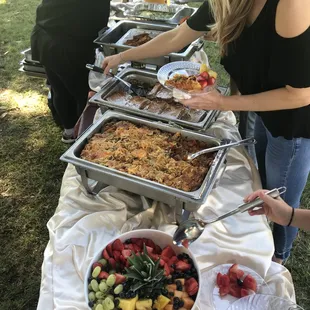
191, 230
221, 147
100, 70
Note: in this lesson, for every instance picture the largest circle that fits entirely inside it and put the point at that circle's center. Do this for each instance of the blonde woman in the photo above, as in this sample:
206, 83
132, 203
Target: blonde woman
265, 46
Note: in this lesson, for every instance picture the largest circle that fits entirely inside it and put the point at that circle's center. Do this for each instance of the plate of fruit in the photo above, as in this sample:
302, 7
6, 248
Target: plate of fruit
142, 270
184, 78
225, 284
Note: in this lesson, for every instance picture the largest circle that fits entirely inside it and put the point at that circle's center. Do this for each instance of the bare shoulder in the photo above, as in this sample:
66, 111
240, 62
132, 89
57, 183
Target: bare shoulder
292, 17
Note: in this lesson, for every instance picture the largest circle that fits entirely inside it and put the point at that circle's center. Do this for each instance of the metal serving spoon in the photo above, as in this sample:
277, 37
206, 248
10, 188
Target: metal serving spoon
191, 230
221, 147
100, 70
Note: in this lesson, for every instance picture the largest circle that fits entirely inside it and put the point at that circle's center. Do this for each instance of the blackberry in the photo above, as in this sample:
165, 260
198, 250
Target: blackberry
178, 282
89, 279
186, 256
181, 303
171, 294
173, 266
176, 300
170, 281
240, 282
128, 241
164, 292
180, 256
91, 304
122, 295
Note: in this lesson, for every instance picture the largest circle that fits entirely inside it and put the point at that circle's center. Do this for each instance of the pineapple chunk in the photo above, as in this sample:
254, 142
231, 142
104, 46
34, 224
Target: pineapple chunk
144, 304
212, 74
203, 68
161, 302
128, 304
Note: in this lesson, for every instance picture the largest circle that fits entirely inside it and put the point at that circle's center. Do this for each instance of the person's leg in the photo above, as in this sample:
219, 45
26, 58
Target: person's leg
260, 148
287, 164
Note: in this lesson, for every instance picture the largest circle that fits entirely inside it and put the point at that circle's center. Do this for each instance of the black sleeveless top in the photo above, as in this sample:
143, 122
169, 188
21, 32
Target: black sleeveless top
260, 60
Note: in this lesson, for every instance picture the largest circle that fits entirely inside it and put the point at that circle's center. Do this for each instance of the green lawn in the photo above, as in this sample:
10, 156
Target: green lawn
30, 170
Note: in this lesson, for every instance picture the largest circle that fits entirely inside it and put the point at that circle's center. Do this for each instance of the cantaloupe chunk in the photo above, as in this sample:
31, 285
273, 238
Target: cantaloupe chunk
188, 303
184, 295
171, 287
169, 307
178, 294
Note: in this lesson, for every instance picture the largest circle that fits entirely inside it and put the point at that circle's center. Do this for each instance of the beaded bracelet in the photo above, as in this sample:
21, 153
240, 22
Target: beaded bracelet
292, 216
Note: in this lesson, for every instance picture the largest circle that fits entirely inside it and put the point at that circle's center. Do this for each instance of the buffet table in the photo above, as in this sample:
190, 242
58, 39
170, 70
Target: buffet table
83, 223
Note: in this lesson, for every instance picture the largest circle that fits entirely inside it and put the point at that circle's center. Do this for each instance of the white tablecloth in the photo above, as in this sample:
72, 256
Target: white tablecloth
82, 224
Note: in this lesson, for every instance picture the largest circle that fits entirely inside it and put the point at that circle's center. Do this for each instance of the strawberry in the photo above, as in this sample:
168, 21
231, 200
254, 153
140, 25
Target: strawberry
205, 75
158, 249
150, 244
118, 245
191, 286
117, 255
136, 248
137, 241
126, 253
109, 249
97, 265
103, 275
168, 252
129, 246
112, 263
167, 270
180, 265
105, 254
211, 81
119, 278
204, 84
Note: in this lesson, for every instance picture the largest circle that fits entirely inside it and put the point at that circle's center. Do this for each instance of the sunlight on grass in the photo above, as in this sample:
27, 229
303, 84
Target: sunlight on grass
2, 1
28, 103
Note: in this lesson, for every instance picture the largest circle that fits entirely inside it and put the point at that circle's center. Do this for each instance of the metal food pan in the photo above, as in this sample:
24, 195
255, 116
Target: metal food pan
137, 11
150, 78
135, 184
134, 32
108, 39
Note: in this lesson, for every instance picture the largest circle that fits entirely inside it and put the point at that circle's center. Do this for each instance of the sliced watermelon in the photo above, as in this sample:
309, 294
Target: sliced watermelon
126, 253
118, 245
224, 290
165, 258
137, 241
103, 275
119, 278
180, 265
150, 244
149, 249
244, 292
158, 250
191, 286
235, 290
162, 262
235, 273
137, 248
222, 280
168, 252
97, 265
129, 247
167, 270
250, 283
110, 249
117, 255
173, 260
112, 263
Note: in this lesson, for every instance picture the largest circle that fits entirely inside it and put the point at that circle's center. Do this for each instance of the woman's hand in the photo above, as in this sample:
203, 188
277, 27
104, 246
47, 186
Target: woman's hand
276, 210
212, 100
111, 62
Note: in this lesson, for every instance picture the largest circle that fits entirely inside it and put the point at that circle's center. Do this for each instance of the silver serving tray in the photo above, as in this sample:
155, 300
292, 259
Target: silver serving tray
125, 11
172, 196
107, 40
147, 77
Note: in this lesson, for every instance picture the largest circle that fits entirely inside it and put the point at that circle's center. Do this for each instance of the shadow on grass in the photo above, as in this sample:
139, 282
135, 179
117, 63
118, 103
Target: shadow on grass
30, 179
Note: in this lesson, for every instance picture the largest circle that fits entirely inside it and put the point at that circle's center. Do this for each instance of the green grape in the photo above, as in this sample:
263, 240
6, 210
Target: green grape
103, 287
96, 272
100, 295
110, 296
118, 289
91, 296
111, 280
103, 262
99, 307
89, 287
112, 271
94, 285
109, 303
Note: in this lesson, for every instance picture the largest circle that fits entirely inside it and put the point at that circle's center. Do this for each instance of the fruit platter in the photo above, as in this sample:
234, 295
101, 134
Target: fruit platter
185, 78
137, 273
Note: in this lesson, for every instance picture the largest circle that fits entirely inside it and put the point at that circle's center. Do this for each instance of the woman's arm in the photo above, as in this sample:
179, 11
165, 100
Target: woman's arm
164, 44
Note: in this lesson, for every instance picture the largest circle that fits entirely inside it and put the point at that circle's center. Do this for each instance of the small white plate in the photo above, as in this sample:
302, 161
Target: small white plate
210, 291
266, 302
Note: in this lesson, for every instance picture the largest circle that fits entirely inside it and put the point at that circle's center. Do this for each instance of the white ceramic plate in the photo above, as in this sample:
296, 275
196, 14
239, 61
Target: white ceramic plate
210, 291
265, 302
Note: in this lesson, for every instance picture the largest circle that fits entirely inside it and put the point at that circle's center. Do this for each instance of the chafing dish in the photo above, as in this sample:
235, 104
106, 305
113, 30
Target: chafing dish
150, 78
108, 39
123, 11
190, 201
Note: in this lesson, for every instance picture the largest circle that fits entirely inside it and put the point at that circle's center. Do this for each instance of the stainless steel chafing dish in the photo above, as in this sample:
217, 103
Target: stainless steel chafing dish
31, 67
148, 77
122, 11
108, 41
189, 201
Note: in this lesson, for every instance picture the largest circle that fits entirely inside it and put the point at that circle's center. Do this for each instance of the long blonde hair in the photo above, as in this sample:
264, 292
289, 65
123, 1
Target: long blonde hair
230, 19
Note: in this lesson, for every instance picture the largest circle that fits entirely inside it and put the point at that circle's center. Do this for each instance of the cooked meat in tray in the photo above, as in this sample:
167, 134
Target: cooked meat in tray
139, 39
149, 153
153, 99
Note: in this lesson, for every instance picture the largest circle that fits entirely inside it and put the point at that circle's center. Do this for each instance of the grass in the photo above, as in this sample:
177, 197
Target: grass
30, 170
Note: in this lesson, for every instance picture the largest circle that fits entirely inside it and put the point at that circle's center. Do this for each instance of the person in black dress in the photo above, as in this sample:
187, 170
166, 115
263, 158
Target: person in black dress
62, 40
265, 47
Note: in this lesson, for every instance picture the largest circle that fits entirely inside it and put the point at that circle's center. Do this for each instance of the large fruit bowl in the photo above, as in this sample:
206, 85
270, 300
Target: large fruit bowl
142, 270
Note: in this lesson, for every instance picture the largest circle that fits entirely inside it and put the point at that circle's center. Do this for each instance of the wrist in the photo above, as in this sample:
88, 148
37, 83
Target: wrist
222, 103
122, 57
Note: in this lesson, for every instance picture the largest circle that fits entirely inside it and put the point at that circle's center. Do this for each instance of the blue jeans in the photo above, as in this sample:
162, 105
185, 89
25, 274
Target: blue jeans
283, 162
